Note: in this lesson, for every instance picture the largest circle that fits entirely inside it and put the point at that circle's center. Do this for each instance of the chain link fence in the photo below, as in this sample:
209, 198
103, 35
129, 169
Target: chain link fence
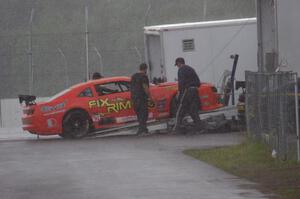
271, 111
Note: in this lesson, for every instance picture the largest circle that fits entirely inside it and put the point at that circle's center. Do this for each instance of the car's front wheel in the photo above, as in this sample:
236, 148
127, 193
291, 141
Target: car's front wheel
76, 124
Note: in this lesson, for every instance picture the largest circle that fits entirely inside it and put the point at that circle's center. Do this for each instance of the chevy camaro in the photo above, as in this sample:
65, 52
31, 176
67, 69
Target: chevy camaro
101, 104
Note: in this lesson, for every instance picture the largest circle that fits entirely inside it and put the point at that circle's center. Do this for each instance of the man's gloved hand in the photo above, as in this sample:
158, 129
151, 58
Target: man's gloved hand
178, 97
151, 103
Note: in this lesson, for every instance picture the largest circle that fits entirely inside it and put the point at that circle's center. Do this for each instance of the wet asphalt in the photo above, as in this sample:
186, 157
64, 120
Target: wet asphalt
117, 167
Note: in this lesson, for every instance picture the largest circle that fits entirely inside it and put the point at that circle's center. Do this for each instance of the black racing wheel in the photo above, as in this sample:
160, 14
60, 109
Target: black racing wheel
76, 124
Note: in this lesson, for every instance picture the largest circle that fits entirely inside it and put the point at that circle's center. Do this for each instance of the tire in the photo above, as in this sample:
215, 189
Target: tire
173, 107
76, 124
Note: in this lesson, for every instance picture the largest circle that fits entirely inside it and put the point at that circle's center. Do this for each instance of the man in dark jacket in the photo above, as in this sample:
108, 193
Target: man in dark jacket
188, 84
97, 75
139, 95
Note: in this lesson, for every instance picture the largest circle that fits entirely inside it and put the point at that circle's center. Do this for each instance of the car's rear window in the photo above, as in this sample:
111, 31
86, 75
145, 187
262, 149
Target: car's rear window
86, 93
59, 94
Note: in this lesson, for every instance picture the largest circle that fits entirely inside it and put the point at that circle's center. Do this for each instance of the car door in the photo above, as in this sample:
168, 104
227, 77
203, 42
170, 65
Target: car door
113, 104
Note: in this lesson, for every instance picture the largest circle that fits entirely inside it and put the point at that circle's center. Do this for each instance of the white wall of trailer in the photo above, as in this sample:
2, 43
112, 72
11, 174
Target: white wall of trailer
288, 17
214, 42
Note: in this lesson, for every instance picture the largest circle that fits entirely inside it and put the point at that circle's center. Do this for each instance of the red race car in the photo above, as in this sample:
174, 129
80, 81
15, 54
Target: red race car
101, 104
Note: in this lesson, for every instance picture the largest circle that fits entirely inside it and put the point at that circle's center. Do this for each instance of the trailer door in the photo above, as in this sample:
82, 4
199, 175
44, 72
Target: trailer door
154, 57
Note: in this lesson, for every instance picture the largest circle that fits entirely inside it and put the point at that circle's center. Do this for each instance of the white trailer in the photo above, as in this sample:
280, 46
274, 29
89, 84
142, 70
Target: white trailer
206, 46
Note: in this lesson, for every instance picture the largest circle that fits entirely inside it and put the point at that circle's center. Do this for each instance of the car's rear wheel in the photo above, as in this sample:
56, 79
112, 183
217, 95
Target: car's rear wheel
76, 124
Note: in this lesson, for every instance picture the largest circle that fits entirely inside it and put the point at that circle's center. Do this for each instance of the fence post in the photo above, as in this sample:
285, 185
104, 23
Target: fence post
297, 116
0, 115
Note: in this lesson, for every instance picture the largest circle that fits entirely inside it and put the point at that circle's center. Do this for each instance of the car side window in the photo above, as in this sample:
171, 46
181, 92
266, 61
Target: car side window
86, 93
124, 86
108, 88
112, 87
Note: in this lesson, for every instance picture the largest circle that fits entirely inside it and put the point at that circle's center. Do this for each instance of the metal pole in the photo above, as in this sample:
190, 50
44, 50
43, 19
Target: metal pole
87, 42
100, 60
297, 116
204, 10
147, 14
65, 68
260, 60
146, 49
276, 42
0, 114
139, 54
30, 53
236, 58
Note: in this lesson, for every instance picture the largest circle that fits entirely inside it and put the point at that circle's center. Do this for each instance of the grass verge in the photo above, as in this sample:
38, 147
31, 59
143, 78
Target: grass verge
253, 161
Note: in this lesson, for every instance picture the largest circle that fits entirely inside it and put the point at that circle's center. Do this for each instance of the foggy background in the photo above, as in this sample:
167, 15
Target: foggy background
115, 30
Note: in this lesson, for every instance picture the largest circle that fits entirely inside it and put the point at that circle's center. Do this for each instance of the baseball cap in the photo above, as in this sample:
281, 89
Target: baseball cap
179, 60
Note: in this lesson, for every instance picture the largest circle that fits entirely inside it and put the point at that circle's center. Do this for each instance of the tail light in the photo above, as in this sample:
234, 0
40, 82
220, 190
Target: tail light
214, 89
29, 111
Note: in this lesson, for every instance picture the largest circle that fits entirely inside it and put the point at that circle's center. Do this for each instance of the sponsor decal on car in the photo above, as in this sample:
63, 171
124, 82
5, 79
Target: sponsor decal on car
161, 105
204, 97
130, 118
126, 119
171, 88
51, 122
107, 120
165, 114
206, 103
46, 109
115, 105
96, 117
56, 112
111, 106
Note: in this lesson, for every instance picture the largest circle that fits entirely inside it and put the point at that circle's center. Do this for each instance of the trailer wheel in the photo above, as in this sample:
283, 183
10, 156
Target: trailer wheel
76, 124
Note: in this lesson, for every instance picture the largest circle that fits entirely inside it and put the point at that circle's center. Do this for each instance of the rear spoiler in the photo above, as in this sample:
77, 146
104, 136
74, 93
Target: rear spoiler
28, 99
